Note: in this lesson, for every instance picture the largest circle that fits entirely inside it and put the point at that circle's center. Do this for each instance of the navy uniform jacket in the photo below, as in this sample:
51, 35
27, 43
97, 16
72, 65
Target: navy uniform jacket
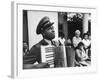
34, 53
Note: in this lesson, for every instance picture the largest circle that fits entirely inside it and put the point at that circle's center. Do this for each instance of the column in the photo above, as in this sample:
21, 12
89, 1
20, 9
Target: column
85, 22
65, 26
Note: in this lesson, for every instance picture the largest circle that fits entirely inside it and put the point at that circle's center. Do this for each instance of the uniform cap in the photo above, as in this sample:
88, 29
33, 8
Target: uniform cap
43, 24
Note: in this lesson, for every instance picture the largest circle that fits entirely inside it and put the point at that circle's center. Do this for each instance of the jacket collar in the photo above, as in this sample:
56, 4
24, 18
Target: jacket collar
44, 42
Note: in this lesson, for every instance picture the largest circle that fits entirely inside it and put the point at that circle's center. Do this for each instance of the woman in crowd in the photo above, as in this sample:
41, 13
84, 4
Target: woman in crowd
76, 39
80, 56
86, 42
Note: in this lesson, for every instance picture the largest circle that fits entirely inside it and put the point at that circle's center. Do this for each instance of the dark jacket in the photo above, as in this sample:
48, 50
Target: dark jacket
34, 53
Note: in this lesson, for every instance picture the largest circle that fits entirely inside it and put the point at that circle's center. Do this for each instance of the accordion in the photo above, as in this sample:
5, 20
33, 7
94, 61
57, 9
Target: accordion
54, 56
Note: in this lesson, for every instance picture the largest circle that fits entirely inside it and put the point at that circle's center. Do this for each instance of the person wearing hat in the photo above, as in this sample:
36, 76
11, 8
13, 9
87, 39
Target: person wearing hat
45, 28
76, 39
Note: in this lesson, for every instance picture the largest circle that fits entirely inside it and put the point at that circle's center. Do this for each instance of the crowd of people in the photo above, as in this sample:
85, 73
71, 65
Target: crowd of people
81, 46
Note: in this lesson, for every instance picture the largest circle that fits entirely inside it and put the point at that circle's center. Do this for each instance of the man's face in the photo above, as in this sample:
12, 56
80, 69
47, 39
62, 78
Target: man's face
81, 47
49, 33
86, 37
25, 45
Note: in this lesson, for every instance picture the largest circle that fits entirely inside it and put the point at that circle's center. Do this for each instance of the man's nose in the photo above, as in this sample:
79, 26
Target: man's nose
52, 29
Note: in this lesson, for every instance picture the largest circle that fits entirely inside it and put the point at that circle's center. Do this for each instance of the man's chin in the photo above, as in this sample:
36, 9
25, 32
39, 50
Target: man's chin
53, 37
49, 37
